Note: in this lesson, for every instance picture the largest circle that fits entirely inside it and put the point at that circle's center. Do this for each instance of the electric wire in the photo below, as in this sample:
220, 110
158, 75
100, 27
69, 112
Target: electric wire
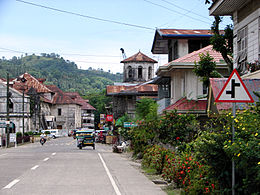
85, 16
189, 11
174, 11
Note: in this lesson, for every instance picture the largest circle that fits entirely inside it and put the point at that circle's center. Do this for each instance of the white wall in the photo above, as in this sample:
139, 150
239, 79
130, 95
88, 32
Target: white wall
252, 22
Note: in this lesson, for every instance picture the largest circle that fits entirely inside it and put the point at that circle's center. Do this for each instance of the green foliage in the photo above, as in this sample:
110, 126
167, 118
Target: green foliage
206, 68
215, 148
98, 100
154, 158
177, 129
124, 132
223, 43
19, 134
146, 109
60, 72
187, 173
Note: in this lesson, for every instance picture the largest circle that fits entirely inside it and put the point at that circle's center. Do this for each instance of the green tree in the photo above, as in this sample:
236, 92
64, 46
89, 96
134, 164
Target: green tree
206, 68
222, 43
146, 108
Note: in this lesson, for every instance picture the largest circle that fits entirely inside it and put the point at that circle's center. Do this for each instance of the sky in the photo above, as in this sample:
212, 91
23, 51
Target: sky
91, 32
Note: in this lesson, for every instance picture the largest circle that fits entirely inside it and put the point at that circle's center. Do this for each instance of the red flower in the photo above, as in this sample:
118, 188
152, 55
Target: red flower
182, 172
177, 138
207, 190
188, 167
213, 186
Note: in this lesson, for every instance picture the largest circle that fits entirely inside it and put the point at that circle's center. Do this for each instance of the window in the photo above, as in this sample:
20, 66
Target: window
149, 72
130, 72
59, 111
242, 50
140, 72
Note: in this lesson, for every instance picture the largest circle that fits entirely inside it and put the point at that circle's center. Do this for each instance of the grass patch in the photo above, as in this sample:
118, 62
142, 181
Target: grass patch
149, 171
170, 191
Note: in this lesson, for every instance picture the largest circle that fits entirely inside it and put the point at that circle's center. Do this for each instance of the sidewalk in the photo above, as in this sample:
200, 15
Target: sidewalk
131, 180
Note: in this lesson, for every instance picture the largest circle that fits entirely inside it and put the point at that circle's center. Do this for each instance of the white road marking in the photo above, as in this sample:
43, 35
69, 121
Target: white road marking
35, 167
11, 184
109, 175
46, 159
2, 155
54, 153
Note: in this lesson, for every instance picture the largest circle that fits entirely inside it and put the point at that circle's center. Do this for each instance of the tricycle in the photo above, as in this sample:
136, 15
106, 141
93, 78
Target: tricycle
85, 138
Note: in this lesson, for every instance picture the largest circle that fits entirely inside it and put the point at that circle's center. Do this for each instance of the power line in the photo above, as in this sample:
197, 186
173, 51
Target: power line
175, 11
86, 16
189, 11
67, 54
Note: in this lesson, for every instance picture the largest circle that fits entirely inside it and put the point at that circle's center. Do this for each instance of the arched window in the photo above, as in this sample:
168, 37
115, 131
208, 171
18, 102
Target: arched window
140, 72
149, 72
130, 72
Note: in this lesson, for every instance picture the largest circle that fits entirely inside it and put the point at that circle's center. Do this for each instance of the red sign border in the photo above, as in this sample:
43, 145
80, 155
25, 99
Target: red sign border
242, 101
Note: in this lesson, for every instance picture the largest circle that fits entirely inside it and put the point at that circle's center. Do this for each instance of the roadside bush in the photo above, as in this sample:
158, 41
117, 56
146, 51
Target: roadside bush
215, 149
189, 174
177, 129
154, 157
19, 134
47, 132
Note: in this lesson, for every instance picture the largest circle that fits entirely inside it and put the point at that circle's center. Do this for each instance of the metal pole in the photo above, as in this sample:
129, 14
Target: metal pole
7, 111
23, 117
233, 140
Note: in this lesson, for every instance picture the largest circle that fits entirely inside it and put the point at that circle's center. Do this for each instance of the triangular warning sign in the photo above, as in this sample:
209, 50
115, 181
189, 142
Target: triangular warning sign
234, 90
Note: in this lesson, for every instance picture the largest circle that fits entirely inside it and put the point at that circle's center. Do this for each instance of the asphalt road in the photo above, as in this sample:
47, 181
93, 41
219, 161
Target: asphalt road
59, 167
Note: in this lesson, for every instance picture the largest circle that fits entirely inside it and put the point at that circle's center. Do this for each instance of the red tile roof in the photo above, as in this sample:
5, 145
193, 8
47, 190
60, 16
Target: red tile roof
139, 57
184, 105
30, 81
137, 89
83, 102
194, 56
60, 97
217, 84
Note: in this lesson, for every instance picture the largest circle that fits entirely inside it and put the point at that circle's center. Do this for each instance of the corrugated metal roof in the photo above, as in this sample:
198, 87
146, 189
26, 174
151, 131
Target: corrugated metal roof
138, 89
185, 105
183, 32
217, 84
139, 57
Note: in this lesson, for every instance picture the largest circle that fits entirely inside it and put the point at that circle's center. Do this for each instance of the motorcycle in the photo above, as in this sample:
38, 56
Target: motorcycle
42, 141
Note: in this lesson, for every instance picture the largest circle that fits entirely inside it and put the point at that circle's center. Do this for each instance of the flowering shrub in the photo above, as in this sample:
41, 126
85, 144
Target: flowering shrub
154, 157
189, 174
177, 129
215, 149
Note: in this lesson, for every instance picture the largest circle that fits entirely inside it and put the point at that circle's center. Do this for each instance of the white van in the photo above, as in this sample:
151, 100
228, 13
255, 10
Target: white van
54, 133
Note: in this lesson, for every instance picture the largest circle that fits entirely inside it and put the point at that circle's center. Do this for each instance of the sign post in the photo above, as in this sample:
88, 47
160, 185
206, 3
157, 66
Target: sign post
234, 91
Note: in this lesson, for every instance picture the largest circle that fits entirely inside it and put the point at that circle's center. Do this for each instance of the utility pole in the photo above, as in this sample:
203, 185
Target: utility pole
7, 111
23, 117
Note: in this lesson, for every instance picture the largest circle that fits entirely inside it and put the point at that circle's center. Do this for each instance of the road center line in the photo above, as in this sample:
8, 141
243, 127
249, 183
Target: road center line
46, 159
11, 184
54, 153
109, 175
35, 167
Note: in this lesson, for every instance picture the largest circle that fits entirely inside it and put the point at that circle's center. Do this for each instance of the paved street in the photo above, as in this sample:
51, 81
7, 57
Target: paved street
59, 167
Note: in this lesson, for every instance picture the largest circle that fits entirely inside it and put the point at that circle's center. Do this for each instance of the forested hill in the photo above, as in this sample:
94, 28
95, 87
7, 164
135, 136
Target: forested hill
60, 72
